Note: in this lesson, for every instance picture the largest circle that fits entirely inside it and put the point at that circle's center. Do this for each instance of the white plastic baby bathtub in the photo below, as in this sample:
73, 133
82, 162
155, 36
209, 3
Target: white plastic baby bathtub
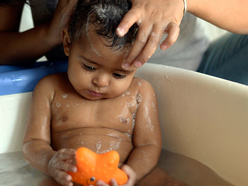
202, 117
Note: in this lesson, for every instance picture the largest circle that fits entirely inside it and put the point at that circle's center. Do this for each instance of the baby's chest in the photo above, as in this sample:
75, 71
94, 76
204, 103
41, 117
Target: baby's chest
118, 115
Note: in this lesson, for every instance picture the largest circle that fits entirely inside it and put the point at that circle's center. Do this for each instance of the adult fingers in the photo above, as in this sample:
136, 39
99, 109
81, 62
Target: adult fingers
131, 17
150, 47
140, 42
173, 33
70, 6
66, 10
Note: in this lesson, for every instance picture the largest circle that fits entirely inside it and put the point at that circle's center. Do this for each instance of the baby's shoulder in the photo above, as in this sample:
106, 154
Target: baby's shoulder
141, 85
52, 81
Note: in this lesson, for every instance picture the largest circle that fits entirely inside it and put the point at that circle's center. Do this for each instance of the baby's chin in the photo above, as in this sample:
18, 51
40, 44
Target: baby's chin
95, 98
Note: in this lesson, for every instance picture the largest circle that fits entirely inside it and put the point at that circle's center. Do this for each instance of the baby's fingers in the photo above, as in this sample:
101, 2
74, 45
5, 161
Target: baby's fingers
101, 183
62, 161
66, 167
63, 178
113, 182
131, 175
66, 154
173, 33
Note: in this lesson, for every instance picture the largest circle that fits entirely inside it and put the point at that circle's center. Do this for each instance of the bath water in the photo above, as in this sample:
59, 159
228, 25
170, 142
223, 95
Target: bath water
15, 171
189, 170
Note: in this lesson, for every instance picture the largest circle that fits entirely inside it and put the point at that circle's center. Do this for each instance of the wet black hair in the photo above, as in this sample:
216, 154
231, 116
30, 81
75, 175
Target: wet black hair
105, 16
12, 2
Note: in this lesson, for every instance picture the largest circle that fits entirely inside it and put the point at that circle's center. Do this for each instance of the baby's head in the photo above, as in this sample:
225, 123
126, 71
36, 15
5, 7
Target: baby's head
104, 16
95, 51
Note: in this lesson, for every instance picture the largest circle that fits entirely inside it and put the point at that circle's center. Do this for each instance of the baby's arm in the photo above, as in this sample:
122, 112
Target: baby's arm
37, 140
146, 135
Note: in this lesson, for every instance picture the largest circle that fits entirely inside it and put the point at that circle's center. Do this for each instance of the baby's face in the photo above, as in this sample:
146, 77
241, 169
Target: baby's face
95, 69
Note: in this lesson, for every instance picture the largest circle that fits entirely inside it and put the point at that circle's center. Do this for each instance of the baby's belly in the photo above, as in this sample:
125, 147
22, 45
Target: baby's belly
99, 140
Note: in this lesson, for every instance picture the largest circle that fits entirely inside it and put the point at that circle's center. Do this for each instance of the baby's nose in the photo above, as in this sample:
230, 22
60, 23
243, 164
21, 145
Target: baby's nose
101, 81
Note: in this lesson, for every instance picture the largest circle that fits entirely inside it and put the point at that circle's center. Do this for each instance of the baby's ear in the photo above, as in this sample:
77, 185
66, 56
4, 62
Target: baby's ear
66, 41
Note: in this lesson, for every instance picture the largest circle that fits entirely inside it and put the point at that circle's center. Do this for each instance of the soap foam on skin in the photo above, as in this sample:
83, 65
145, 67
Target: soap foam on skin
91, 44
101, 12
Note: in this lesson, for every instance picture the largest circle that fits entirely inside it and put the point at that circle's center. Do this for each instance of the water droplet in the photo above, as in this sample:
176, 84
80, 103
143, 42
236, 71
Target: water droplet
98, 145
65, 96
114, 145
58, 104
149, 124
138, 98
128, 93
128, 135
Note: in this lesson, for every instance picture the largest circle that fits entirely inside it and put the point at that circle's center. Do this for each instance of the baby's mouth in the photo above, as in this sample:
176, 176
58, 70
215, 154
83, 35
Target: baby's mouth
94, 94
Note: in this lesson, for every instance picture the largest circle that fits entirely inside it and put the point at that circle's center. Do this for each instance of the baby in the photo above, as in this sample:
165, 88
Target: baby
96, 104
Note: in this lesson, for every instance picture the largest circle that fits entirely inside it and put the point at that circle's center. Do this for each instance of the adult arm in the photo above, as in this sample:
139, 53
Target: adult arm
21, 48
155, 17
230, 15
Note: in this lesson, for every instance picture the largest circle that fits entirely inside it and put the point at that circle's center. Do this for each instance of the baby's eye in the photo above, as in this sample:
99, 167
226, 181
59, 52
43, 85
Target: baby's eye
119, 76
88, 68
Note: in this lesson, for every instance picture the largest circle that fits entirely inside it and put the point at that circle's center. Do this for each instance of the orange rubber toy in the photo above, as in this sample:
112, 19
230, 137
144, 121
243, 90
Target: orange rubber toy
93, 167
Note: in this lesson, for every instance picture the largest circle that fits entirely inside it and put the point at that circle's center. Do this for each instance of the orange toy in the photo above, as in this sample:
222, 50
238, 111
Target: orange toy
93, 167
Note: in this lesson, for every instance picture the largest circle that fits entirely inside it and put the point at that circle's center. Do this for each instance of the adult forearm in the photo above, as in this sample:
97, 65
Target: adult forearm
22, 48
227, 14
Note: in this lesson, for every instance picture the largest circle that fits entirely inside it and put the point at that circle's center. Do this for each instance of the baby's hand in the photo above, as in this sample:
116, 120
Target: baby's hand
62, 162
153, 18
131, 178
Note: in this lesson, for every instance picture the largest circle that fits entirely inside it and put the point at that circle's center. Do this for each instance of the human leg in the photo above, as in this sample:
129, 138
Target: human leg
227, 58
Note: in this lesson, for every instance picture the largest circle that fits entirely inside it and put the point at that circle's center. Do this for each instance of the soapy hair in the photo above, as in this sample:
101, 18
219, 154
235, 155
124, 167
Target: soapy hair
105, 16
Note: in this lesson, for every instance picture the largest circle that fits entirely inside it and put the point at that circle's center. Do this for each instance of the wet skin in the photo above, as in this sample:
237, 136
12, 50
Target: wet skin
101, 125
92, 105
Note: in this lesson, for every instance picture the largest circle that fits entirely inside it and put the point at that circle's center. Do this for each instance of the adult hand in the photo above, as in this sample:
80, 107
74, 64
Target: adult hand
60, 20
153, 18
60, 164
130, 174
